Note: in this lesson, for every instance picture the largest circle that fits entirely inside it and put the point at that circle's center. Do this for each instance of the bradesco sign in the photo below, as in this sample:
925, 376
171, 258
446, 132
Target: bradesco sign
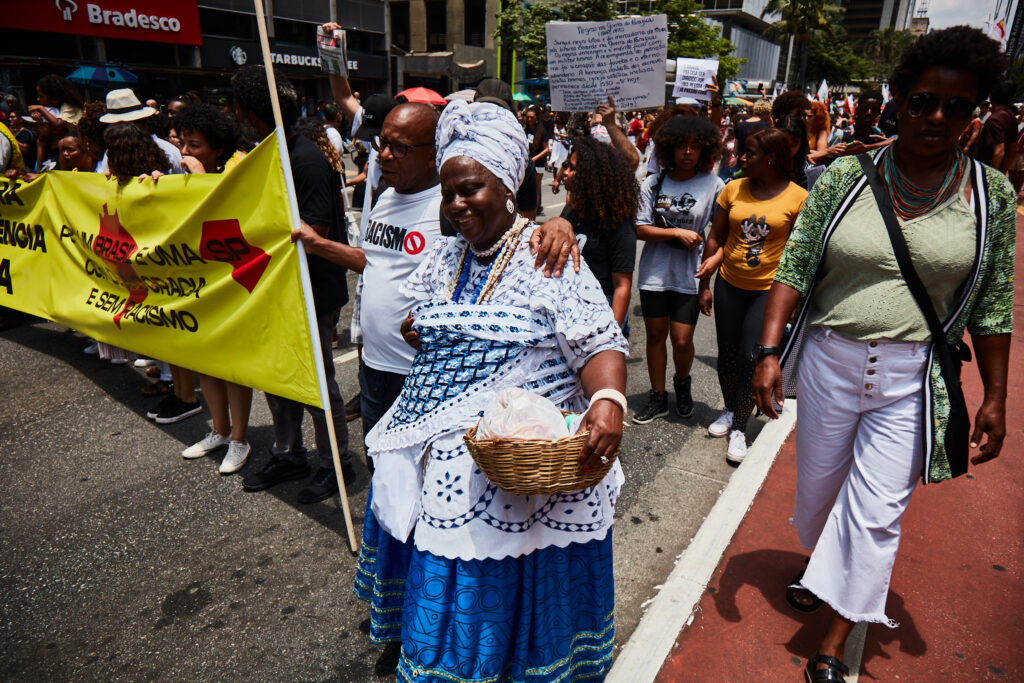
148, 20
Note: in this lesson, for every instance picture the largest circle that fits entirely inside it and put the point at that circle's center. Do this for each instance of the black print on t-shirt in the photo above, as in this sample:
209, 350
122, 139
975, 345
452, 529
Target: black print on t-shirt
676, 210
755, 231
394, 237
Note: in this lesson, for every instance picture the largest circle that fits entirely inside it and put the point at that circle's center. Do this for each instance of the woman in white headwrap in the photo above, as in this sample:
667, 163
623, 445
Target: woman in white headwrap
499, 587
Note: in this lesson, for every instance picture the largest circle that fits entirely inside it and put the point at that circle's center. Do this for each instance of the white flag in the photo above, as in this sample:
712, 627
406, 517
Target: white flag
885, 92
823, 91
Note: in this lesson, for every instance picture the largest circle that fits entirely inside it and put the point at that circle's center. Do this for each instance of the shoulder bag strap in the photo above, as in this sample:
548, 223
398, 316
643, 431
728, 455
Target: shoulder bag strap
940, 345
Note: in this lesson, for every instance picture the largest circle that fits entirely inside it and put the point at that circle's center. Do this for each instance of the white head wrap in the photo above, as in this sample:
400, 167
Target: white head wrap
487, 133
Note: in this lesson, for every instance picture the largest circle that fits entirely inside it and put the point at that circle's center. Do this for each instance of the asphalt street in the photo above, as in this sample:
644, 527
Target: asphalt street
119, 560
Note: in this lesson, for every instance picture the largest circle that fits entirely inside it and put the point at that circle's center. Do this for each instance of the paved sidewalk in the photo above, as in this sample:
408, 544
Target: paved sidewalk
957, 589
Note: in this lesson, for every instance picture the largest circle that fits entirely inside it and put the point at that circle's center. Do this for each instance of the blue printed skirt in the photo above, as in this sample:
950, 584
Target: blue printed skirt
380, 577
539, 618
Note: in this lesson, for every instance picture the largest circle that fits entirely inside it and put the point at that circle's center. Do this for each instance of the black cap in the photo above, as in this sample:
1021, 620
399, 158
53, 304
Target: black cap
495, 91
375, 109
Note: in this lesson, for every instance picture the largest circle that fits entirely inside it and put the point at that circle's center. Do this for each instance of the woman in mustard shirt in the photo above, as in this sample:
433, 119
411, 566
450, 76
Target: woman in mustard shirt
748, 234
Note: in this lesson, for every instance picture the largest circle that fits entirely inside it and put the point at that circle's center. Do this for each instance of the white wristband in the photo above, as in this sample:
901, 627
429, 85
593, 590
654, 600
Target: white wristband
612, 395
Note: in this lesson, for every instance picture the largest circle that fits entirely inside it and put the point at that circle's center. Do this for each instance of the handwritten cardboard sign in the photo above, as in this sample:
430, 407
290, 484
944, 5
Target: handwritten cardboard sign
693, 76
590, 60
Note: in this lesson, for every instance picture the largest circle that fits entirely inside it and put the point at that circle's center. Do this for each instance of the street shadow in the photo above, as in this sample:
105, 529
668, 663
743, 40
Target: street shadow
769, 571
124, 384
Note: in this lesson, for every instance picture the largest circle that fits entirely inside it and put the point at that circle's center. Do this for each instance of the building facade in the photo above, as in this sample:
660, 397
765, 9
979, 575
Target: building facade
186, 45
443, 44
864, 16
742, 25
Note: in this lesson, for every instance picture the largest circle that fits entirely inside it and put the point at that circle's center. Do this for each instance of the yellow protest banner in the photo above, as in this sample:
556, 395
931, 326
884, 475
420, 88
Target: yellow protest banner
195, 270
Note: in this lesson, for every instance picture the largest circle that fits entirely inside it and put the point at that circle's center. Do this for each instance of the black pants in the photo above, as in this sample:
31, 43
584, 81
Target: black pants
377, 390
738, 317
287, 414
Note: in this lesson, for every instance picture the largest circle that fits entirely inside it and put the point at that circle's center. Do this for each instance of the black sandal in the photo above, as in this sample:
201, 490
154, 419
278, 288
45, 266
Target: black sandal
794, 590
835, 672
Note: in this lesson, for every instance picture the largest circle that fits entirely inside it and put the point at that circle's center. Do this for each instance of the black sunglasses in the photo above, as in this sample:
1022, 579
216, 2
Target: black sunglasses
398, 149
927, 103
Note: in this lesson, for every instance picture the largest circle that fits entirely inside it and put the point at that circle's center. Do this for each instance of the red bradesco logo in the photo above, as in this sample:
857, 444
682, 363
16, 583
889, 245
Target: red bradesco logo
146, 20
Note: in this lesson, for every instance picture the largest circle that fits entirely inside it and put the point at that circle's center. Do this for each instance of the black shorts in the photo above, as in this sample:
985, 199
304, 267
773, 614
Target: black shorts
679, 308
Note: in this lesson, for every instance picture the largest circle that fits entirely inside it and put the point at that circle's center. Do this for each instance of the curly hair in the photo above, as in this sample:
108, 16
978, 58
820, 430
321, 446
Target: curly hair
252, 94
775, 141
762, 109
91, 129
60, 89
604, 190
131, 152
819, 118
788, 102
312, 128
669, 113
678, 131
962, 48
220, 130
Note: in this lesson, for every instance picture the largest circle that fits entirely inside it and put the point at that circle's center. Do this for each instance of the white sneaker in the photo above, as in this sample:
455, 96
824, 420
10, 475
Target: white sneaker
92, 349
210, 443
722, 425
737, 447
118, 361
238, 453
144, 362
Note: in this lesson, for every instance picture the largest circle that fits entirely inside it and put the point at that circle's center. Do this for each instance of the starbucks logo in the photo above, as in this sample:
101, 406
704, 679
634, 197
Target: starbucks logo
238, 55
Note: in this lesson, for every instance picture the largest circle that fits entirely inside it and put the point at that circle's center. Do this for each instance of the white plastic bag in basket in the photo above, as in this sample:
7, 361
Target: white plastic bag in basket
519, 414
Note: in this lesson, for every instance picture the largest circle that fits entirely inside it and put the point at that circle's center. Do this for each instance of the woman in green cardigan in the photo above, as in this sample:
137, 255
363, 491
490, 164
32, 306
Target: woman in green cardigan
873, 405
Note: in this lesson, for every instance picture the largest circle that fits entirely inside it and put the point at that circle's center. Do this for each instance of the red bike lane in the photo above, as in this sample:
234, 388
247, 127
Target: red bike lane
957, 590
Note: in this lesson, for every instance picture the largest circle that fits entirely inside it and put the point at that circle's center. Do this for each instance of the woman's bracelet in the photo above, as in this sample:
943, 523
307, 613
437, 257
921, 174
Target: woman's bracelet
613, 395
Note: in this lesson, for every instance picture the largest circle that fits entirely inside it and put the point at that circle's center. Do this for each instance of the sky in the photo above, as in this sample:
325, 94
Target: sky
945, 13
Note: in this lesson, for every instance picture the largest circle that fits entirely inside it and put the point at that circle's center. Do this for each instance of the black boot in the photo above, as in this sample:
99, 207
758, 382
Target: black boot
657, 406
684, 401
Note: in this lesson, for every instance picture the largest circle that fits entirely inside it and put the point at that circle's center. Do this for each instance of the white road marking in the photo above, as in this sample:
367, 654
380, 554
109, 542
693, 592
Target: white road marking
672, 609
346, 357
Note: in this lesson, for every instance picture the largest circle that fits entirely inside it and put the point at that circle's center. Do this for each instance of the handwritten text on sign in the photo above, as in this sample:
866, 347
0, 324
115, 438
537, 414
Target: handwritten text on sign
693, 76
590, 60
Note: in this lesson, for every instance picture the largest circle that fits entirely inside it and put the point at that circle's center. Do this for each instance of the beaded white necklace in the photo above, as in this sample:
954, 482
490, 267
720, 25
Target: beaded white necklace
507, 244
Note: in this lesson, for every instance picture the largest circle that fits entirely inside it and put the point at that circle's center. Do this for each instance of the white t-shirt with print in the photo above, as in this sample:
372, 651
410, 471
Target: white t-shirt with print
399, 233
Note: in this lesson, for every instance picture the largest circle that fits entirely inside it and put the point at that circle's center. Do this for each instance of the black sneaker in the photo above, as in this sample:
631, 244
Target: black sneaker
352, 408
324, 484
177, 410
162, 404
684, 401
276, 472
657, 406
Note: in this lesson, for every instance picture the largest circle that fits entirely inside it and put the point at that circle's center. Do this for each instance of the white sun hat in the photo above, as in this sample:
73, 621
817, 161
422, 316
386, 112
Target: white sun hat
123, 105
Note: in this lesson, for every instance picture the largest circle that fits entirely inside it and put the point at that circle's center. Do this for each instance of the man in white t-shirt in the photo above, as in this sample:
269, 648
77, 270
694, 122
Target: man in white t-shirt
332, 120
400, 229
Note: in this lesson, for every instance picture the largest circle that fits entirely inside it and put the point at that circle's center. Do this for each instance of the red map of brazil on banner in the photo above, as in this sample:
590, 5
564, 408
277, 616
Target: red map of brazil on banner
147, 20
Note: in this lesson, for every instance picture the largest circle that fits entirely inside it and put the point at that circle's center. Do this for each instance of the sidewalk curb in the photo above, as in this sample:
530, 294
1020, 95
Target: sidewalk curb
671, 610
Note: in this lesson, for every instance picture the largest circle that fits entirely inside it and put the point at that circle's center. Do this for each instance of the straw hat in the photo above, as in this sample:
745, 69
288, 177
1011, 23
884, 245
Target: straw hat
123, 105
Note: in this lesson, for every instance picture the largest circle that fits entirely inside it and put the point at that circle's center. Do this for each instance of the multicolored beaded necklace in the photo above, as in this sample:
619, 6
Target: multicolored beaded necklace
911, 201
509, 242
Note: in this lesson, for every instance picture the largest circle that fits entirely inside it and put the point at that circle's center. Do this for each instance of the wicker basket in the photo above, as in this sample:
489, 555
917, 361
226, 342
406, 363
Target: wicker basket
529, 467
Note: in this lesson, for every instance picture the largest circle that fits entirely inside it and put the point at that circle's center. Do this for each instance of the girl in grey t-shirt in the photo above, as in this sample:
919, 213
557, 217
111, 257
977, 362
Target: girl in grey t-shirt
675, 208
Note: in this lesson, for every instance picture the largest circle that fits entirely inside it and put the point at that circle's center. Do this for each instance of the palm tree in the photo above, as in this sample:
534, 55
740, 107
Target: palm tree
803, 21
884, 46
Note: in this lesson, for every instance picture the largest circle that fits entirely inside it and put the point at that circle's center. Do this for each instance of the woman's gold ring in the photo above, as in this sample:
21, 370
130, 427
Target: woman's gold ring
604, 459
565, 246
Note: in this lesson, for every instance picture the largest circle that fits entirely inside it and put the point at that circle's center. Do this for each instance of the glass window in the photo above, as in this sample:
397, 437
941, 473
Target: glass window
400, 27
475, 22
437, 25
227, 24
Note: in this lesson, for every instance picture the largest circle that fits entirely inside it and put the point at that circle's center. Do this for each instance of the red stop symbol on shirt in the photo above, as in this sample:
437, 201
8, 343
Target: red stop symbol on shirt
414, 243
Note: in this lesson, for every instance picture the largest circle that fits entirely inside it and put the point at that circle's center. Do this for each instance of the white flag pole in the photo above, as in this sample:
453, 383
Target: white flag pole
307, 289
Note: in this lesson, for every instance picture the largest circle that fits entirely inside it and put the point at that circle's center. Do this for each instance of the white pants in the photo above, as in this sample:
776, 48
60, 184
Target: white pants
859, 457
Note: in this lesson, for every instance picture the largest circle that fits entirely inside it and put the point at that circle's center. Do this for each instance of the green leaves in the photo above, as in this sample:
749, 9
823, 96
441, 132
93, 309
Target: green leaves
521, 27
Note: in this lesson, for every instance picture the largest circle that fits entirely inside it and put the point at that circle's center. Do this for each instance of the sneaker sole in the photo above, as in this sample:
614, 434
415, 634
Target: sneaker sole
179, 418
716, 434
196, 456
682, 414
234, 469
652, 418
729, 457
